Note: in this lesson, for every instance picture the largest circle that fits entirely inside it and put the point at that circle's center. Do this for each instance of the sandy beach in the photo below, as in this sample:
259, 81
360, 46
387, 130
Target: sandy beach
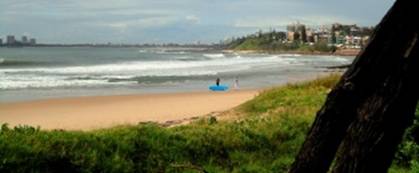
86, 113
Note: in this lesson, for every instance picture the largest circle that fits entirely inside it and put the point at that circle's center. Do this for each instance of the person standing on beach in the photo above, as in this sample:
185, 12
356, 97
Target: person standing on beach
236, 83
217, 82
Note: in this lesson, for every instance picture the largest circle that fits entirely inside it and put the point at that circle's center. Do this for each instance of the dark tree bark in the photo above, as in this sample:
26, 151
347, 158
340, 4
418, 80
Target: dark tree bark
371, 106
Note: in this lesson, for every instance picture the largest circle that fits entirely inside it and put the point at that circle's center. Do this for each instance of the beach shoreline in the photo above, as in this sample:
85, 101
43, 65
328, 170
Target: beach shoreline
97, 112
342, 52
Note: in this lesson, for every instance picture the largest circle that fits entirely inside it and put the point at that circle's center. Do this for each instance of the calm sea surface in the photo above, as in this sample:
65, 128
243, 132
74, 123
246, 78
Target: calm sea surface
39, 73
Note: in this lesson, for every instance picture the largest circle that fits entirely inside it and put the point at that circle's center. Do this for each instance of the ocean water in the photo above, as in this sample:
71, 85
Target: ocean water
39, 73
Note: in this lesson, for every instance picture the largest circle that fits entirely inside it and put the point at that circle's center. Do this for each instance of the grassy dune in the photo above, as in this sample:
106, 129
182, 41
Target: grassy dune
265, 138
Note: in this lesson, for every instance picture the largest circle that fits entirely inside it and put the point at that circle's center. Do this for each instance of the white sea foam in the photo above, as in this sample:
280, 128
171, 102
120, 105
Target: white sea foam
291, 55
43, 77
164, 51
180, 52
184, 58
151, 66
215, 55
35, 81
341, 59
99, 75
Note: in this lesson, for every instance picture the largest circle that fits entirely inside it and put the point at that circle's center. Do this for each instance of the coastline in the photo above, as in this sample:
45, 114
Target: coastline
341, 52
96, 112
88, 109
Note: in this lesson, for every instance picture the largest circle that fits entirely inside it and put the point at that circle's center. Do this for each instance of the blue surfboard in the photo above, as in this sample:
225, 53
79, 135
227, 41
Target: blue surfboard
218, 88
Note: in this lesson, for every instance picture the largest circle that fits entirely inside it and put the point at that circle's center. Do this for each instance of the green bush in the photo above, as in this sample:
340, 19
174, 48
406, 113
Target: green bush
408, 153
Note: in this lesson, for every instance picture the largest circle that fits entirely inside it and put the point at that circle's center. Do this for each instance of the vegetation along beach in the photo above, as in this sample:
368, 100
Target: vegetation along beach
263, 136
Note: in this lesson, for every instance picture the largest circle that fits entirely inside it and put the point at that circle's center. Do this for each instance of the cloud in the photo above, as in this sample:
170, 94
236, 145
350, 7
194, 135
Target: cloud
149, 22
275, 22
193, 19
132, 21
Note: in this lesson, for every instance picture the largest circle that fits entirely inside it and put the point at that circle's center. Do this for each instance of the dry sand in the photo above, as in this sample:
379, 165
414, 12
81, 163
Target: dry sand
86, 113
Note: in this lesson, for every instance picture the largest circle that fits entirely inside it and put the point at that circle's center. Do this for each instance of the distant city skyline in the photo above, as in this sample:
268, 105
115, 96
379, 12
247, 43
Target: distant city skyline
181, 21
11, 40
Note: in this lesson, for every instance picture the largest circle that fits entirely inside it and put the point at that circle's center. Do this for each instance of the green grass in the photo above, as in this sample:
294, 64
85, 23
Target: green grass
265, 139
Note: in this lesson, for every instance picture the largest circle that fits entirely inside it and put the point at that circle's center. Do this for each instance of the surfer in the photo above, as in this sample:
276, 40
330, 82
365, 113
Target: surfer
217, 82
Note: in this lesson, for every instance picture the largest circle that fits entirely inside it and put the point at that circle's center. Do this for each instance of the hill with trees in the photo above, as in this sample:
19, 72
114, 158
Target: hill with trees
274, 41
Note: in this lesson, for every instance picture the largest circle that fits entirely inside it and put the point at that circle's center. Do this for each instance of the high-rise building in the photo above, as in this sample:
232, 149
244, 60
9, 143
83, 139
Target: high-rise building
1, 42
11, 40
25, 40
297, 32
32, 41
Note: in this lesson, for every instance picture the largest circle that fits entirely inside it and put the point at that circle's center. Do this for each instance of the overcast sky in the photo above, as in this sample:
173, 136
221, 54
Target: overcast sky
182, 21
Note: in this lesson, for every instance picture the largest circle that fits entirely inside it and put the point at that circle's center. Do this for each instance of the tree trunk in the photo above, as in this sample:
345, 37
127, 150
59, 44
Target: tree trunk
376, 93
